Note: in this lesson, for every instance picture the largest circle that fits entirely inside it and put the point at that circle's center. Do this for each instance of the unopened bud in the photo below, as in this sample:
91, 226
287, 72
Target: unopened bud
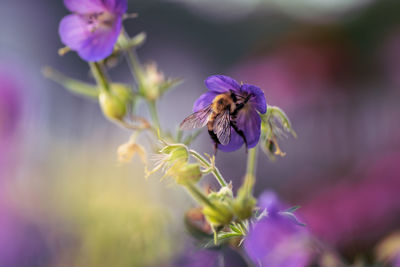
170, 159
152, 82
123, 92
186, 173
115, 103
243, 206
112, 106
176, 153
219, 214
275, 125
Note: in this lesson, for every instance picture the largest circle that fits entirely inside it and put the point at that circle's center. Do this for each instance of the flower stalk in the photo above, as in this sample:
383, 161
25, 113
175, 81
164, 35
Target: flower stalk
100, 76
251, 168
217, 174
199, 196
133, 61
154, 114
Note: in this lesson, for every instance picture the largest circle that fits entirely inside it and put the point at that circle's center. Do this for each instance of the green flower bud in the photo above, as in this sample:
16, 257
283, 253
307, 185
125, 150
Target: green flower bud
123, 92
112, 106
275, 125
151, 82
176, 153
170, 159
243, 206
186, 173
219, 214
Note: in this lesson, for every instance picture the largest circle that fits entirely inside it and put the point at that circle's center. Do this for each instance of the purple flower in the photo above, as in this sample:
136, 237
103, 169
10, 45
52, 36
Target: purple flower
247, 119
277, 239
197, 257
21, 241
356, 212
11, 105
94, 27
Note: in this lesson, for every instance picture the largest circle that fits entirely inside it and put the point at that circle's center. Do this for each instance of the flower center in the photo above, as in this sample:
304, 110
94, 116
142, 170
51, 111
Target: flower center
104, 20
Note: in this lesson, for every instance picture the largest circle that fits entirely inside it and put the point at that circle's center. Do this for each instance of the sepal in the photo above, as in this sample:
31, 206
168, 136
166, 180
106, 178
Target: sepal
275, 125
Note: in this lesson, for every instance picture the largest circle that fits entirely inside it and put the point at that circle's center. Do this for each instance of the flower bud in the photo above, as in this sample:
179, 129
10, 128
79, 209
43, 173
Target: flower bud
151, 82
123, 92
275, 125
112, 106
219, 214
176, 153
170, 159
186, 173
243, 206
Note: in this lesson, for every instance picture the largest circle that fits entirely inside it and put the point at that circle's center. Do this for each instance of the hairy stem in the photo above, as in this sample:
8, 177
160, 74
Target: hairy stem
154, 114
100, 76
217, 174
133, 61
199, 196
250, 177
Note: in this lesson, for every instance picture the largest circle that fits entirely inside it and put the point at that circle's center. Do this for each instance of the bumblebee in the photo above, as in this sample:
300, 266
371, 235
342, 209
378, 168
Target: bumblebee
220, 117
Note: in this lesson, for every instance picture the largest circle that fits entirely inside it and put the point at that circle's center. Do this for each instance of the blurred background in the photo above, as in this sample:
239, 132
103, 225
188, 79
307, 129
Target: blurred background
333, 66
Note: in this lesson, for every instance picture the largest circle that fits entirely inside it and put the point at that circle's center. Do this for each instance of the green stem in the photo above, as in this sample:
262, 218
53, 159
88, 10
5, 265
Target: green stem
215, 170
250, 177
199, 196
154, 114
134, 63
100, 76
136, 67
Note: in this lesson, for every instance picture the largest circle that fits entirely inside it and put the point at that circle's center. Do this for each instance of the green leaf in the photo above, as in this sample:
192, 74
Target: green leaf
169, 84
129, 43
72, 85
292, 209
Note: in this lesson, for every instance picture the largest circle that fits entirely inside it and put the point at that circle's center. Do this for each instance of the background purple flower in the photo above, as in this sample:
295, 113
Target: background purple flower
94, 27
277, 240
199, 257
357, 212
10, 113
248, 119
21, 242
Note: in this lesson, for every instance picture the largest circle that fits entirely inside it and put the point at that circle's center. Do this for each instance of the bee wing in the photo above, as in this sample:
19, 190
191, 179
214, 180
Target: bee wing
198, 119
222, 127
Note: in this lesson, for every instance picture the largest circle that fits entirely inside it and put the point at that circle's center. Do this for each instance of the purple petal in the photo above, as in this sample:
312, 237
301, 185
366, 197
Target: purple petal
204, 100
73, 31
258, 101
116, 6
272, 242
101, 44
249, 122
84, 6
269, 200
91, 45
221, 84
234, 144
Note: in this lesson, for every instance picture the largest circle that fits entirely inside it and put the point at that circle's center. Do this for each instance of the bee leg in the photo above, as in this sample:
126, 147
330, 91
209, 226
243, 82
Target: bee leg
240, 133
215, 149
215, 139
